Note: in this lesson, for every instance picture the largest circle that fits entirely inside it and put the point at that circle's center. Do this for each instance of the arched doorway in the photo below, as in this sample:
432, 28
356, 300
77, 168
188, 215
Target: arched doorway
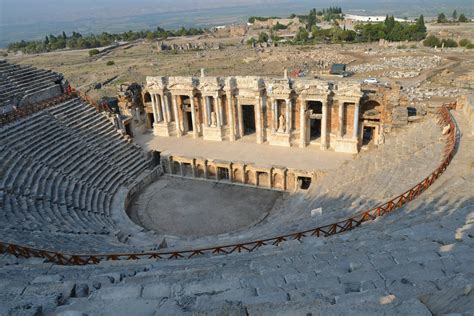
147, 97
370, 115
150, 119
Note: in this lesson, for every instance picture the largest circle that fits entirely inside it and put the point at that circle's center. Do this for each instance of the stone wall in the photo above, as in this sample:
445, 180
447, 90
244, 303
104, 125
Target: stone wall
240, 173
282, 113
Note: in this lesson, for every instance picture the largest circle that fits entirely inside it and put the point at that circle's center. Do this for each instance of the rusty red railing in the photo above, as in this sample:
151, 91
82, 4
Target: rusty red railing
345, 225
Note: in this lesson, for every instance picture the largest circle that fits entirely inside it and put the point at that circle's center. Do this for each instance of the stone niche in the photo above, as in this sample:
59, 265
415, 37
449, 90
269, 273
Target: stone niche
212, 92
280, 95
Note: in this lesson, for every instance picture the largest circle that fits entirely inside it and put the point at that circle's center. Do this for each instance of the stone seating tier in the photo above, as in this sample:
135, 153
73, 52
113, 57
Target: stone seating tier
62, 168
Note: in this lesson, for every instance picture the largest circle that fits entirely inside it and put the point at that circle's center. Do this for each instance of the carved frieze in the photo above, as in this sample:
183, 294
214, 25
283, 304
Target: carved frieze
279, 88
312, 88
156, 83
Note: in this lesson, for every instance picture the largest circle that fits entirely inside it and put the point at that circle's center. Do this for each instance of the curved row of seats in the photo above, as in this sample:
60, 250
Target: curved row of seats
61, 168
17, 81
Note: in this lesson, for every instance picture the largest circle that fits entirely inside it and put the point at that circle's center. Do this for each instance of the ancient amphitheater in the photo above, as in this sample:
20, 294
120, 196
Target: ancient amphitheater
233, 196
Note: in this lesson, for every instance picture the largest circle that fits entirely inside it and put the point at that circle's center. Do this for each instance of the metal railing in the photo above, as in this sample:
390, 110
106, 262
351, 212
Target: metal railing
345, 225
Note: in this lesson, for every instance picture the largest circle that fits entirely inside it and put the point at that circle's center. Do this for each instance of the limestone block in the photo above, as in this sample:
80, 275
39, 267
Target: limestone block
47, 279
162, 129
317, 212
81, 290
346, 146
280, 139
120, 292
212, 133
156, 291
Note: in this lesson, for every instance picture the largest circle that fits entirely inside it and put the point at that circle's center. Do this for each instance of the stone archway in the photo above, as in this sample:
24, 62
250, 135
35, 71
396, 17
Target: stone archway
176, 168
238, 176
371, 108
370, 118
278, 181
263, 179
147, 97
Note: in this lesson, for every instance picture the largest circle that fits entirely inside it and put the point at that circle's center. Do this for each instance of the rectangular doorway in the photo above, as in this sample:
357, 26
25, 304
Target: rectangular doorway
315, 129
248, 114
151, 120
223, 173
368, 135
316, 109
189, 119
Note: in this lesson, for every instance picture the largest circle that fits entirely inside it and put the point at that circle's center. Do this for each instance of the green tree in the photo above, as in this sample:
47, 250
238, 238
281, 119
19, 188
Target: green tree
150, 36
279, 26
263, 37
420, 24
93, 52
311, 19
462, 18
251, 41
449, 43
432, 41
302, 35
110, 63
464, 42
441, 18
455, 15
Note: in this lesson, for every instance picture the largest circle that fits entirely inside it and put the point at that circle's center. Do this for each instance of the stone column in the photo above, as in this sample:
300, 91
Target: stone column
208, 110
324, 126
153, 106
166, 107
303, 123
341, 119
162, 108
206, 172
193, 117
274, 116
258, 120
204, 116
230, 110
241, 118
193, 166
355, 132
158, 107
218, 110
288, 116
179, 133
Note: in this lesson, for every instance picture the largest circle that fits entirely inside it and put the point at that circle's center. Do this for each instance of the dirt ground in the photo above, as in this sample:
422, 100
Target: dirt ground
190, 209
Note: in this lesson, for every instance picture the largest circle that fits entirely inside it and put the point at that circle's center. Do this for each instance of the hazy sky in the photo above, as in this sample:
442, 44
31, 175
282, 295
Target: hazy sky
33, 19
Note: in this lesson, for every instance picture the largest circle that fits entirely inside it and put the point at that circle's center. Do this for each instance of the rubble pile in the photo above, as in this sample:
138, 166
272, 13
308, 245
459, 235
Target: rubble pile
420, 93
189, 46
319, 59
400, 67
